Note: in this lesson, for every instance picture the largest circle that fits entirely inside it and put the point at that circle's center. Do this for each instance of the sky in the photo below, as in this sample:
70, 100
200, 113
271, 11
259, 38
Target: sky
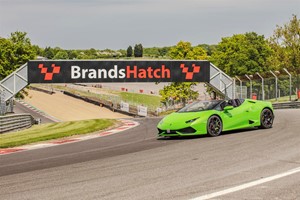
116, 24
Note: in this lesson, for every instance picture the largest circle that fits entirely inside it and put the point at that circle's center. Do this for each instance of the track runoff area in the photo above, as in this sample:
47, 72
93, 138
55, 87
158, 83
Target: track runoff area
249, 165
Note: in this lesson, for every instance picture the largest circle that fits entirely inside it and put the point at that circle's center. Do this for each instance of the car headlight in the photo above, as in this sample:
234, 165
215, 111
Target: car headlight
191, 120
161, 122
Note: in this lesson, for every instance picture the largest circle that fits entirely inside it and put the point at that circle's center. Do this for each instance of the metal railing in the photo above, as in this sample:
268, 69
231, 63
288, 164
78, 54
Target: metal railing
287, 105
15, 122
221, 82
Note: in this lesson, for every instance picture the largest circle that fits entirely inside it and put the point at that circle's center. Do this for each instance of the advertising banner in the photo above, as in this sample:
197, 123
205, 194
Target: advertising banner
95, 71
142, 111
124, 106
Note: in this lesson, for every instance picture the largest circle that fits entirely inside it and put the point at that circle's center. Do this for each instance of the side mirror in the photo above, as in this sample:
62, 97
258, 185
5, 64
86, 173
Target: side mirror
228, 108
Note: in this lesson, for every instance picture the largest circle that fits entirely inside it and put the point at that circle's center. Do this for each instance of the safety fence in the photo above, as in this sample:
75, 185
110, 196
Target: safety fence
15, 122
281, 88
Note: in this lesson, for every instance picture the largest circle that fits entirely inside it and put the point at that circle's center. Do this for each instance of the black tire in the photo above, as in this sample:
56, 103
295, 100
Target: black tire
214, 126
266, 118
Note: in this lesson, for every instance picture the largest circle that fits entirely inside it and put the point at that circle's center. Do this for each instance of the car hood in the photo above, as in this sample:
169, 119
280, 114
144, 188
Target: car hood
178, 120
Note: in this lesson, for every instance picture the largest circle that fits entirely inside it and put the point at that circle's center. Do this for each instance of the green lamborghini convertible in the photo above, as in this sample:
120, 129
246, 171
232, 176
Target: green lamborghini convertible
213, 117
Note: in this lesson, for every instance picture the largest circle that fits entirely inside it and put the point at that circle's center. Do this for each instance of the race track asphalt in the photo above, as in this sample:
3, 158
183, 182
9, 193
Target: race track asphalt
20, 108
136, 165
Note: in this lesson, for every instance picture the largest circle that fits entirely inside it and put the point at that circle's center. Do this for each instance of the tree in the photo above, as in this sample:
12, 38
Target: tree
178, 92
180, 51
163, 51
208, 48
72, 54
48, 53
14, 52
129, 51
184, 50
6, 51
61, 55
38, 50
286, 45
243, 54
151, 52
183, 91
138, 50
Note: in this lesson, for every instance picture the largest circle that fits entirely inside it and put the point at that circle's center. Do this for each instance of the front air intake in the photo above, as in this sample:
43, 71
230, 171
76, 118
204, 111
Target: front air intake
187, 130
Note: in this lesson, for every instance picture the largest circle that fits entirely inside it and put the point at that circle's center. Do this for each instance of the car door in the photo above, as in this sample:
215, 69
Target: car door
234, 118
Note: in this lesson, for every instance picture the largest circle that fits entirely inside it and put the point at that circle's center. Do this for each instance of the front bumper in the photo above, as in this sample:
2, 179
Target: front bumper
188, 131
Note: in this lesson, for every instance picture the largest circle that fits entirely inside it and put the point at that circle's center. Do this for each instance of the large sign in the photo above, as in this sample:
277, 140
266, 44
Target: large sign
76, 71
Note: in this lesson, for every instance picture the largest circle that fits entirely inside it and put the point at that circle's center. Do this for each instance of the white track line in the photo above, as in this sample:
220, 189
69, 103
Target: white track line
248, 185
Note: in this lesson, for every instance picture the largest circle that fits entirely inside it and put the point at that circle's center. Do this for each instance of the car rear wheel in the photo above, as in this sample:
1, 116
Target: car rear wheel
266, 118
214, 126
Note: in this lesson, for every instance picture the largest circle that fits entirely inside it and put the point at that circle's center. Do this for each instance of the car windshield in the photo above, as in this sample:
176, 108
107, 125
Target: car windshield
200, 106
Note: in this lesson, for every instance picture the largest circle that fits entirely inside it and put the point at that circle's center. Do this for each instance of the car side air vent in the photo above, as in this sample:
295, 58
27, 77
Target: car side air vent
251, 121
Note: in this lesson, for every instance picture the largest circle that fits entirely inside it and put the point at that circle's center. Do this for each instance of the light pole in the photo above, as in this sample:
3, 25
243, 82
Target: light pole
290, 82
241, 84
248, 77
276, 84
262, 86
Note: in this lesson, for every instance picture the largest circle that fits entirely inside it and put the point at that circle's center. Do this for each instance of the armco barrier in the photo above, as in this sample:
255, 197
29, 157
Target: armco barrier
42, 90
15, 122
287, 105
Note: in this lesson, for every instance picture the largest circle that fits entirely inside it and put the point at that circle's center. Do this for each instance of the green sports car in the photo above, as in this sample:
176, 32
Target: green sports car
213, 117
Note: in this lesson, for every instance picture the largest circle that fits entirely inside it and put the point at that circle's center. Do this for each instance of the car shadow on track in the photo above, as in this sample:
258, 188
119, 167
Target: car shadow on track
225, 133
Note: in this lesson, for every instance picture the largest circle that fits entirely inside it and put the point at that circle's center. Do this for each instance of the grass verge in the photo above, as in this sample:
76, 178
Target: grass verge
141, 99
53, 131
283, 99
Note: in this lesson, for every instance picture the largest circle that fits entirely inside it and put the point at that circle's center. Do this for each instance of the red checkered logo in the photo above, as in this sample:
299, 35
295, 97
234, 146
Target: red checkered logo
49, 75
190, 75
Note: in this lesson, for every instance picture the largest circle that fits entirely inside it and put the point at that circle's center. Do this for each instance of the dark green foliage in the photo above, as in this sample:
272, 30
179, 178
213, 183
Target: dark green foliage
48, 53
184, 50
72, 54
14, 52
243, 54
138, 50
208, 48
38, 50
61, 55
163, 51
178, 92
129, 51
156, 52
286, 45
182, 92
151, 52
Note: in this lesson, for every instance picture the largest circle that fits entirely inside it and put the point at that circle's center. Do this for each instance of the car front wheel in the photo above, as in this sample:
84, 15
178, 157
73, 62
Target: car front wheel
214, 126
266, 118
